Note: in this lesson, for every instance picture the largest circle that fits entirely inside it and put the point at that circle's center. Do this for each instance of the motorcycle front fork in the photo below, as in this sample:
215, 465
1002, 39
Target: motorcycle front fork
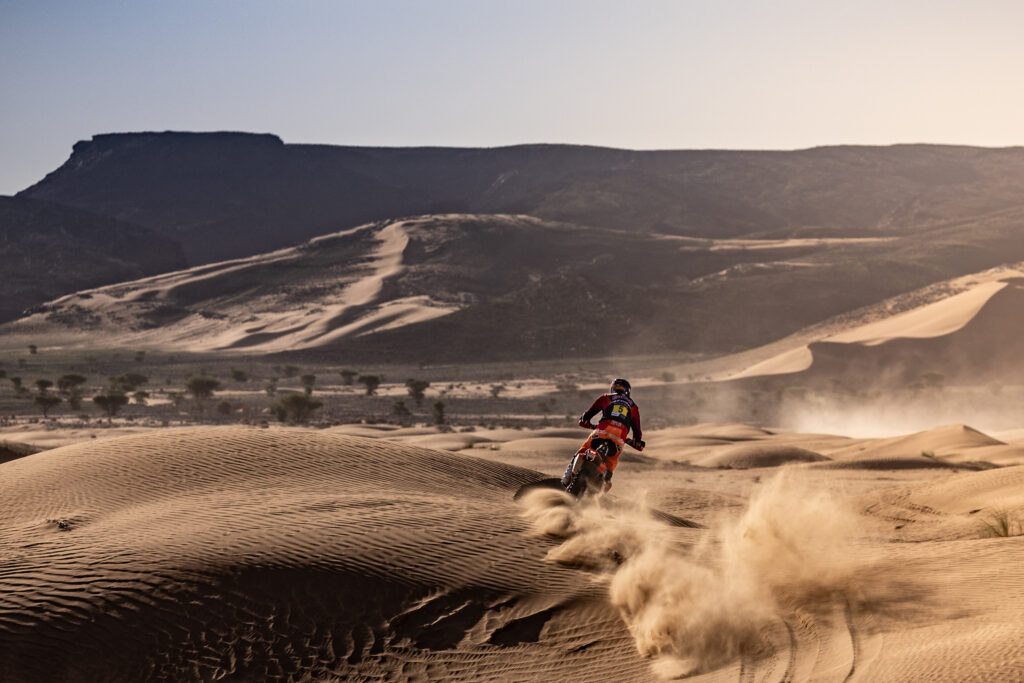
572, 469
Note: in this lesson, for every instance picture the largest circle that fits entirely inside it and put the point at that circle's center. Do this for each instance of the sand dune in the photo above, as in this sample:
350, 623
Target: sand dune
965, 300
293, 298
760, 455
280, 554
257, 554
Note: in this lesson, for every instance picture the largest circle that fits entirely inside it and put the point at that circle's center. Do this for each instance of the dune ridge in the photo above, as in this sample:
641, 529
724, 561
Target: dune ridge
285, 554
209, 552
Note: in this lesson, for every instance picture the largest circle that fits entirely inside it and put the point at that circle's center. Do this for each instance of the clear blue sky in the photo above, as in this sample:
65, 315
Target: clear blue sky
764, 74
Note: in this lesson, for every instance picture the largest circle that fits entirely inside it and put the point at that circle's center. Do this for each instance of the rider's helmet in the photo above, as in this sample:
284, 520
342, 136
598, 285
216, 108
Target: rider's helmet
620, 386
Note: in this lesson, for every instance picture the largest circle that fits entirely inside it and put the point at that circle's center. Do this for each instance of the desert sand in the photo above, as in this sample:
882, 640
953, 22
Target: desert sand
723, 552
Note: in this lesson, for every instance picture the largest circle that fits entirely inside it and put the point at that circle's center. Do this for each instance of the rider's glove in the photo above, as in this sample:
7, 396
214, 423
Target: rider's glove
585, 423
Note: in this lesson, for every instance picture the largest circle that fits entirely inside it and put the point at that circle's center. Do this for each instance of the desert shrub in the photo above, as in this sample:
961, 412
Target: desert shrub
46, 402
439, 416
348, 376
140, 356
43, 385
66, 383
416, 387
75, 398
371, 382
270, 389
295, 408
399, 408
111, 402
239, 375
224, 408
308, 382
201, 388
1001, 523
496, 389
129, 381
139, 398
668, 377
33, 349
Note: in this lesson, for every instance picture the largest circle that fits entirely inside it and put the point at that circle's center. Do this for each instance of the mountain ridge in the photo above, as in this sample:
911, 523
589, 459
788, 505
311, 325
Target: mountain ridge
228, 195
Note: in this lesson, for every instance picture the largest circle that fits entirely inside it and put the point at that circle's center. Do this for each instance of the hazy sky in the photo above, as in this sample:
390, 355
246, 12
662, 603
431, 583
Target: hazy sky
765, 74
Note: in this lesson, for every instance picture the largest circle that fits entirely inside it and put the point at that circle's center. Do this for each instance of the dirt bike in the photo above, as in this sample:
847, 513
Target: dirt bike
589, 469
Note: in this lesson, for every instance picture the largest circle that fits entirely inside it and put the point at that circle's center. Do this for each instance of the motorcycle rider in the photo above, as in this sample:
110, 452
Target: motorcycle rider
619, 414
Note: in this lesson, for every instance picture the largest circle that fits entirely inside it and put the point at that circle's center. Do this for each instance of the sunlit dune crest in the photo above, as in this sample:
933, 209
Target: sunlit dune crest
934, 319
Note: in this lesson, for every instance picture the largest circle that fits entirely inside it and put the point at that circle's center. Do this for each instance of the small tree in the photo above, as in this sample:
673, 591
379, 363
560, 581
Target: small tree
18, 388
139, 398
177, 398
224, 408
371, 382
201, 388
496, 389
75, 398
45, 402
347, 377
307, 383
439, 412
239, 375
43, 385
416, 387
33, 349
111, 402
290, 371
295, 408
271, 388
129, 381
65, 383
399, 408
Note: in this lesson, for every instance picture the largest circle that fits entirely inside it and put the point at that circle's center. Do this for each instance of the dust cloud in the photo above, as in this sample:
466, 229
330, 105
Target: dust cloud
892, 413
693, 609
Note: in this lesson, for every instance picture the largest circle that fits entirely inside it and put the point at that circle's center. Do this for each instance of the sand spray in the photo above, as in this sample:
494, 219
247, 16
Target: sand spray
695, 608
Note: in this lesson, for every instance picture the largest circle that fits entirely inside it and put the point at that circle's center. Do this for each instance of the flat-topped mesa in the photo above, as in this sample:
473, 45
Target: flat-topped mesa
103, 141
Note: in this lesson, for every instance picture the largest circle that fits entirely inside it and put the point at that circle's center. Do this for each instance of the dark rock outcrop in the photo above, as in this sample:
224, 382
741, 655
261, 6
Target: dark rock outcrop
48, 250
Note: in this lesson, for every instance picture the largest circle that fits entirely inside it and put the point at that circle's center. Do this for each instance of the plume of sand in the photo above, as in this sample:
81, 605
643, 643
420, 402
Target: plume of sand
694, 610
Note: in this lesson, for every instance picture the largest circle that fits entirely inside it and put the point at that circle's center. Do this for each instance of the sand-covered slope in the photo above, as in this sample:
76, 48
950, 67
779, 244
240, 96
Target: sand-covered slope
259, 554
969, 330
255, 555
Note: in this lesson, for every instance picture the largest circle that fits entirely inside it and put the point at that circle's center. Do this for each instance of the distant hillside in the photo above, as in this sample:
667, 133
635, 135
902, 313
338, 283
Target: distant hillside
462, 288
227, 195
47, 250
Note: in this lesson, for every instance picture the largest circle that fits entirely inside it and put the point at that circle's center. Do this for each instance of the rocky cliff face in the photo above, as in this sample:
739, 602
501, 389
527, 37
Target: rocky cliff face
48, 250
